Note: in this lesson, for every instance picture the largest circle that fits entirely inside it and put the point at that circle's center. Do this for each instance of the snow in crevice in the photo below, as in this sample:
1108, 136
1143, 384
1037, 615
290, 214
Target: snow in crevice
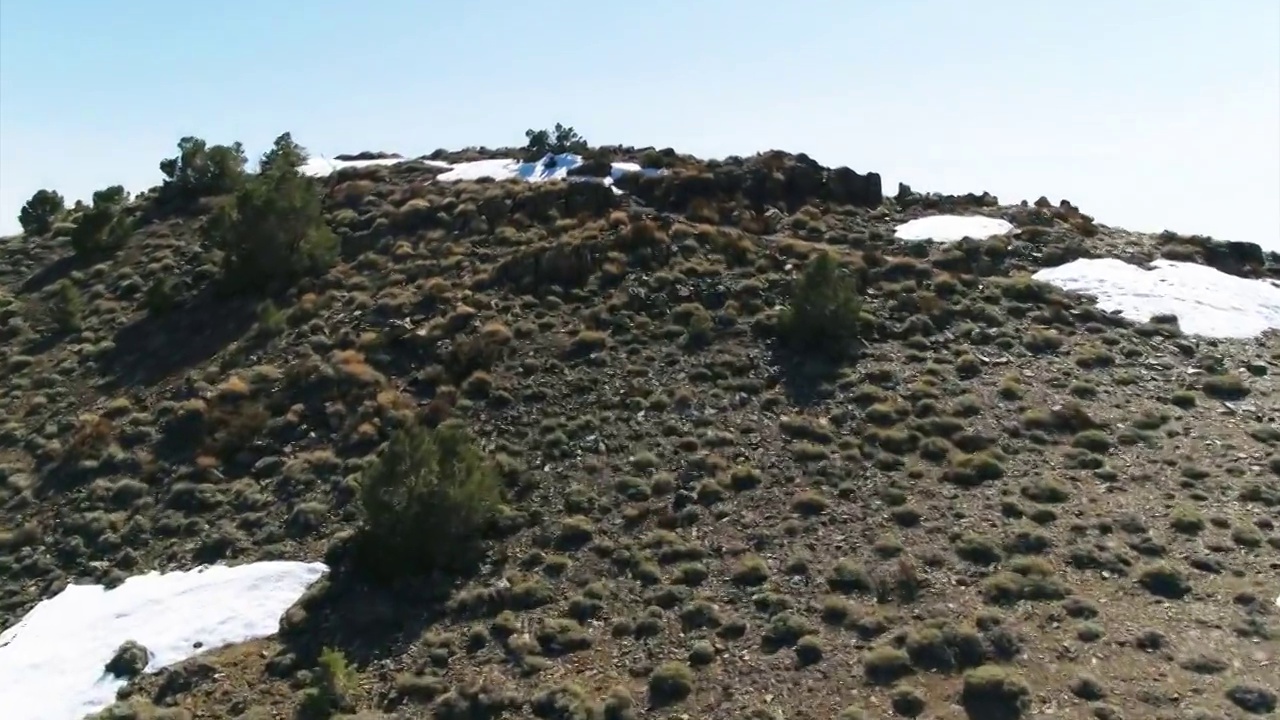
950, 228
1206, 301
52, 661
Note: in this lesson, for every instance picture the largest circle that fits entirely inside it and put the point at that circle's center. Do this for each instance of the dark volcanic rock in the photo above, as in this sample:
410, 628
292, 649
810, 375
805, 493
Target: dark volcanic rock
367, 155
1243, 259
773, 179
129, 660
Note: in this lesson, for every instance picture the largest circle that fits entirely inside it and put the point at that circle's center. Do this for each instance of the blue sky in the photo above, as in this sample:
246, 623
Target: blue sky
1148, 114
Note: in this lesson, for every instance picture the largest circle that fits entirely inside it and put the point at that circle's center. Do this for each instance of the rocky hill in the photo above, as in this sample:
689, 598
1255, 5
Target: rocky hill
736, 480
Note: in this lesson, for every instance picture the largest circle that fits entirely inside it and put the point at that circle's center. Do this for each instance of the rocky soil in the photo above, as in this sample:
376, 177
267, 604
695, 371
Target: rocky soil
1009, 504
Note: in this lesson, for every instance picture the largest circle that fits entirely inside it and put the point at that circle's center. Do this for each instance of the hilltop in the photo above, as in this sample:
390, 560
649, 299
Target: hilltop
742, 446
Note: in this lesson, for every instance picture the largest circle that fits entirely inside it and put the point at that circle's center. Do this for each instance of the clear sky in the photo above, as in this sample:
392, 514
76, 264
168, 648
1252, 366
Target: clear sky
1149, 114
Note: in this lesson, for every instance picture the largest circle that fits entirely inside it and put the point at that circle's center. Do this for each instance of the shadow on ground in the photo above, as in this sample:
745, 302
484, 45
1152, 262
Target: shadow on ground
45, 343
156, 346
52, 273
364, 618
805, 379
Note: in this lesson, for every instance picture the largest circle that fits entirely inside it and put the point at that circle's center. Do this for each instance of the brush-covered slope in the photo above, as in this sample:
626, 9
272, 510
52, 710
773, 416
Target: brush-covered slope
1001, 501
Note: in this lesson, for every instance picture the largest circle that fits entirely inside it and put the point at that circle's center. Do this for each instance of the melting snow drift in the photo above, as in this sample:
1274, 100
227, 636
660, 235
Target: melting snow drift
949, 228
51, 662
1207, 302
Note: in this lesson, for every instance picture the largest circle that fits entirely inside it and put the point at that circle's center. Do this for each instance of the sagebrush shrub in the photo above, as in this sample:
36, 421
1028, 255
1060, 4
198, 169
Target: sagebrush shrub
825, 312
40, 212
654, 158
426, 500
273, 229
160, 296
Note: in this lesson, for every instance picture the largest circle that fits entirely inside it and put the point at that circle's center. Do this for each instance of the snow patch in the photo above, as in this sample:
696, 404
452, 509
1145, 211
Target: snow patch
51, 661
949, 228
626, 168
505, 169
1207, 302
320, 166
552, 167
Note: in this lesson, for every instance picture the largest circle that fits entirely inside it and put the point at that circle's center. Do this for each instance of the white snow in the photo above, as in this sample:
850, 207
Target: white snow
1207, 302
548, 168
51, 662
320, 166
623, 168
504, 169
552, 167
949, 228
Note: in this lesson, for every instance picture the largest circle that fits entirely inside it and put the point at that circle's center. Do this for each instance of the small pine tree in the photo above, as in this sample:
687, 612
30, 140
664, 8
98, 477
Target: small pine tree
426, 501
102, 227
115, 196
273, 230
200, 170
566, 139
41, 211
333, 690
66, 307
825, 311
538, 144
284, 153
562, 139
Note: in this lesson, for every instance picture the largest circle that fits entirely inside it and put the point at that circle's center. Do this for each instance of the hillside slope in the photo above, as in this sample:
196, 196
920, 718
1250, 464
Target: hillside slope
1006, 503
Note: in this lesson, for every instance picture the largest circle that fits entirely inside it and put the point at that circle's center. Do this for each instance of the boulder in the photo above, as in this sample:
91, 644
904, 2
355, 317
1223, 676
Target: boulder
129, 660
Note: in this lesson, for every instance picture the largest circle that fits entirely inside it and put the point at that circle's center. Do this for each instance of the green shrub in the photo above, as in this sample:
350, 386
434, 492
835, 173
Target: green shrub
103, 226
115, 196
66, 307
825, 310
161, 296
333, 689
199, 170
273, 229
992, 691
560, 140
40, 212
670, 683
284, 153
426, 501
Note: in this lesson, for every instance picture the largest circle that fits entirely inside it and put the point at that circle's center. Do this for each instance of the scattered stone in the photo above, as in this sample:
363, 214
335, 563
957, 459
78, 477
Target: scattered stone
129, 660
